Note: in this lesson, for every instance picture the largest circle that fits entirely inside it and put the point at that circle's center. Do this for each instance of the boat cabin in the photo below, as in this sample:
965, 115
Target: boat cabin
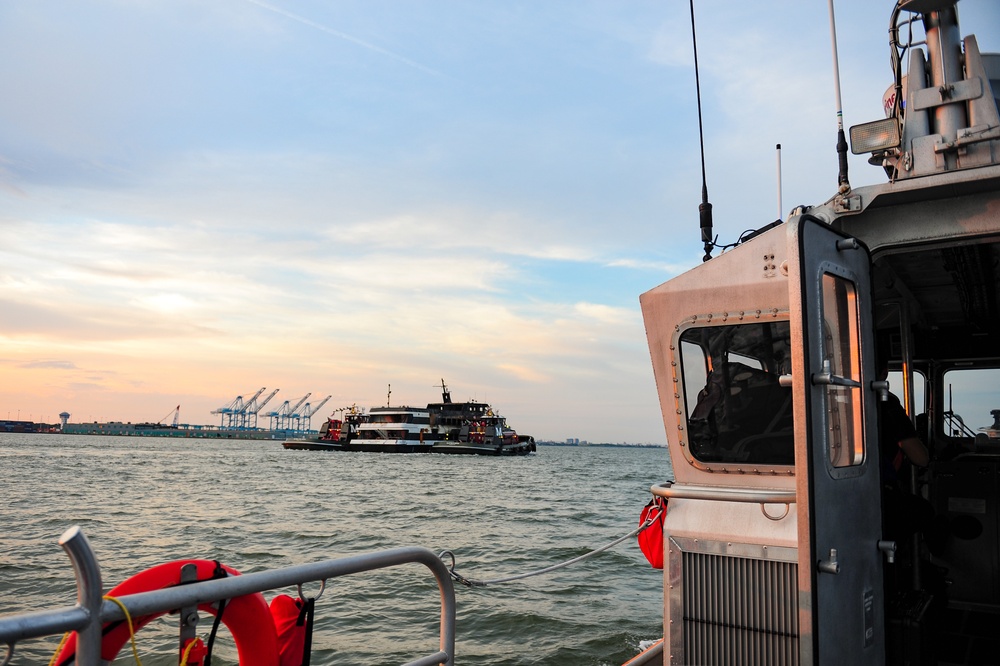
799, 529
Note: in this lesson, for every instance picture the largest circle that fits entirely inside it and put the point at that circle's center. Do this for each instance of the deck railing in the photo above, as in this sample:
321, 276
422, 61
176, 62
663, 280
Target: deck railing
92, 611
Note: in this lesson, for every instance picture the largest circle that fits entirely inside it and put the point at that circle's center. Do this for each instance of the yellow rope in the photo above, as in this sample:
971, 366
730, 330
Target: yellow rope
131, 630
131, 633
59, 648
187, 651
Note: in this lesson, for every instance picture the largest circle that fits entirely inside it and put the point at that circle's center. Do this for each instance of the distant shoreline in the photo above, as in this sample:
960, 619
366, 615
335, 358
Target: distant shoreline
205, 431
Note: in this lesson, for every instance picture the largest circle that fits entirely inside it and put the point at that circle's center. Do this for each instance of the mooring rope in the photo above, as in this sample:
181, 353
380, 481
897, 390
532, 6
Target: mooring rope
470, 582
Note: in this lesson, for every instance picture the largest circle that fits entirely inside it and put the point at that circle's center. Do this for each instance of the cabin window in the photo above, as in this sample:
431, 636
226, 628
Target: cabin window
895, 378
972, 404
737, 412
842, 364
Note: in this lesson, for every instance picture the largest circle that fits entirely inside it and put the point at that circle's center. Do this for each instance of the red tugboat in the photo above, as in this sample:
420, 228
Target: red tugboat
334, 433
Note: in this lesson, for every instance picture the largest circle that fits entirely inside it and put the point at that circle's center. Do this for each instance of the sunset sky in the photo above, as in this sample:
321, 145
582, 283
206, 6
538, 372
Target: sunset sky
200, 199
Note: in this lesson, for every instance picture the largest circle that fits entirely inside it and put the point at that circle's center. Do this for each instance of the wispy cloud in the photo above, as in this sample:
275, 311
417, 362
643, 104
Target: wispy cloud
47, 364
349, 38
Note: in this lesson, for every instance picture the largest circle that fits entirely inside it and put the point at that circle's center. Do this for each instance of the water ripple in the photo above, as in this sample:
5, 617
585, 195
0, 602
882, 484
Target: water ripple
255, 506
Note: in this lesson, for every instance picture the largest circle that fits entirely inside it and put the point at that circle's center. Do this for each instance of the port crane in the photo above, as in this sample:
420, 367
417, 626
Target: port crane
304, 422
176, 411
285, 416
253, 408
233, 415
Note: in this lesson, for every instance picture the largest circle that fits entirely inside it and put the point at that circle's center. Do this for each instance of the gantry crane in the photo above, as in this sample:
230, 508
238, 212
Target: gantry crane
234, 415
305, 421
253, 408
283, 418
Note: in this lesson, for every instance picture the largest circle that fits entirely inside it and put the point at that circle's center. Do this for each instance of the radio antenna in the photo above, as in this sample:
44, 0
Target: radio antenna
777, 149
705, 209
842, 182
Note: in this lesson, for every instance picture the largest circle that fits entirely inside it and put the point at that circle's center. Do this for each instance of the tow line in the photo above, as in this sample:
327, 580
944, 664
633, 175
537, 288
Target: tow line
471, 582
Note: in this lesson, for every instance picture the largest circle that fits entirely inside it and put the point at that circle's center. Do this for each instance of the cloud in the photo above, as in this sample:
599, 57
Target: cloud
665, 269
345, 37
671, 45
605, 314
49, 364
525, 374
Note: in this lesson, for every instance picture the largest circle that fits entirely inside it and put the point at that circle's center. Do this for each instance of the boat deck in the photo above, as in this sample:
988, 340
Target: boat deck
968, 637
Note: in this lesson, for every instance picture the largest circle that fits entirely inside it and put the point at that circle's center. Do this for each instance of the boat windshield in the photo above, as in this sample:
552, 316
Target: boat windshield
736, 410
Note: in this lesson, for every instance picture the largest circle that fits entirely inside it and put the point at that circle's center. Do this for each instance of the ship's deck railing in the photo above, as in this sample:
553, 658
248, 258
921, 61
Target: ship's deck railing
724, 493
92, 610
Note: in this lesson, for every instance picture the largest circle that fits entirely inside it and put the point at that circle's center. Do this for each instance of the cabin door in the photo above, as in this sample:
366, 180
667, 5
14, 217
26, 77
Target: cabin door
836, 454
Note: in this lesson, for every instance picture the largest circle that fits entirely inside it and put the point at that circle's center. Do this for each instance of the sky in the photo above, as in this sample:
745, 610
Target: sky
201, 199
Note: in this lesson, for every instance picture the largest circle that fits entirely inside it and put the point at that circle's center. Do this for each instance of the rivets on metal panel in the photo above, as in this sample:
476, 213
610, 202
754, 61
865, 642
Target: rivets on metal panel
757, 314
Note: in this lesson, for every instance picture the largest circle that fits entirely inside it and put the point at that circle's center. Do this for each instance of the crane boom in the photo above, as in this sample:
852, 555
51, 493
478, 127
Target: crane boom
248, 405
176, 411
309, 411
265, 401
295, 409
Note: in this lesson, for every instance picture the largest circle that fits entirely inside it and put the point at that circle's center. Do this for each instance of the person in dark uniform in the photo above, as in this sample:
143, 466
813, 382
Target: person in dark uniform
898, 439
904, 513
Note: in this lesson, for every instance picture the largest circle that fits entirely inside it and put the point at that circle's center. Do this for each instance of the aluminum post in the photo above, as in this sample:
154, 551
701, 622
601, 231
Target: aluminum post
89, 593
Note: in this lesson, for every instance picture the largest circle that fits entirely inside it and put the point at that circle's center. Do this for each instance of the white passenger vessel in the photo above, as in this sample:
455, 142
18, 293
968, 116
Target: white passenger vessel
470, 428
394, 430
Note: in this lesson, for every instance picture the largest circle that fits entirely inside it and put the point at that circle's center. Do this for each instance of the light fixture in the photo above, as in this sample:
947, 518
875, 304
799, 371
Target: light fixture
875, 137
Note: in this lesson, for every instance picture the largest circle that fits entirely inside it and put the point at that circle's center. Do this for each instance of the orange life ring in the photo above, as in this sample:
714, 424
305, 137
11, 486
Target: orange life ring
247, 617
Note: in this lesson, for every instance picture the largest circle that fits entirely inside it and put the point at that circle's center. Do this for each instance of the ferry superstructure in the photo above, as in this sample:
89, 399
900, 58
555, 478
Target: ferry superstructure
394, 430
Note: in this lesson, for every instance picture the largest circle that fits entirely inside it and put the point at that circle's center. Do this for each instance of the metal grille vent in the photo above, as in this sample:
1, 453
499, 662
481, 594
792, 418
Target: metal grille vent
739, 610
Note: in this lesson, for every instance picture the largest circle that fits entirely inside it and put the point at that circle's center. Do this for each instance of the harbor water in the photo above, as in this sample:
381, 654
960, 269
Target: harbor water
253, 505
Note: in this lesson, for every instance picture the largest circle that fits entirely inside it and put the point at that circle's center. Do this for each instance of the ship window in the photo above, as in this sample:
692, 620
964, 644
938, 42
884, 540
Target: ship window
919, 388
842, 351
971, 402
737, 412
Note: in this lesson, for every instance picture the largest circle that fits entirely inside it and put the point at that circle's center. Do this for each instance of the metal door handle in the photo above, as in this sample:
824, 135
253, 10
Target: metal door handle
889, 549
830, 566
827, 377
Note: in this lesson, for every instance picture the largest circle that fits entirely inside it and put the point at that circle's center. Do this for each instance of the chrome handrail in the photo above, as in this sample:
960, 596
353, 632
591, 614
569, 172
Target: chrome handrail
92, 611
724, 494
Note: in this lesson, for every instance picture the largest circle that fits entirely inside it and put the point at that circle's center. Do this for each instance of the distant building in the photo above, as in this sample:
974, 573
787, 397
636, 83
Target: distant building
17, 426
63, 420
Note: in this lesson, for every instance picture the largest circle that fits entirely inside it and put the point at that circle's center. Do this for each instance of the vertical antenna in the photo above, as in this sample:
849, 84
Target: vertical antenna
777, 149
842, 182
705, 209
